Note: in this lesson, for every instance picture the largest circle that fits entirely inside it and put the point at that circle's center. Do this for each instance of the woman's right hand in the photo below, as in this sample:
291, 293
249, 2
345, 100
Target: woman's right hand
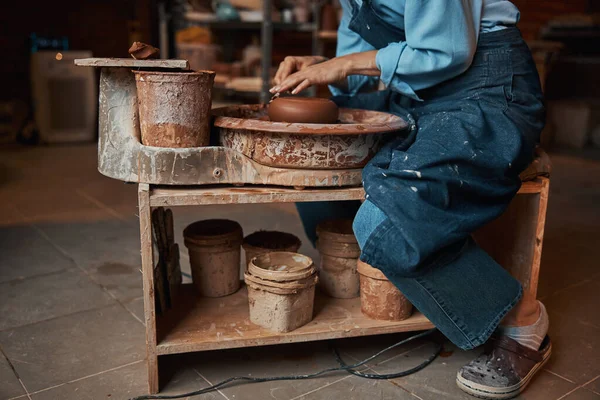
292, 64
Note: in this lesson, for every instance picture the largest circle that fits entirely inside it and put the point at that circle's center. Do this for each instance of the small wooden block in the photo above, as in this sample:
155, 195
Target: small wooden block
131, 63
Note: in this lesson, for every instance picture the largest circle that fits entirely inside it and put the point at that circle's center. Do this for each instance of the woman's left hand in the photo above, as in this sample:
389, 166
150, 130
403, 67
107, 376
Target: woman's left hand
330, 72
327, 72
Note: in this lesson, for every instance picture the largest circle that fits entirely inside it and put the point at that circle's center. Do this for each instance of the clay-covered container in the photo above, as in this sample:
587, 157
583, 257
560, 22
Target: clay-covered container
281, 290
267, 242
308, 110
339, 252
215, 250
379, 298
174, 107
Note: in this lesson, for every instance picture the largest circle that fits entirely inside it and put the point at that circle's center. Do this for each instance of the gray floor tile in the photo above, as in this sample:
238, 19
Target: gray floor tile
582, 394
594, 386
56, 206
546, 386
119, 197
300, 358
436, 381
119, 384
98, 243
575, 348
181, 377
123, 281
24, 253
362, 348
9, 383
44, 297
355, 388
74, 346
136, 306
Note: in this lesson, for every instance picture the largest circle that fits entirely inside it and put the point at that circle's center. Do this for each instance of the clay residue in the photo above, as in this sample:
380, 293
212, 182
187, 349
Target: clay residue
143, 51
111, 268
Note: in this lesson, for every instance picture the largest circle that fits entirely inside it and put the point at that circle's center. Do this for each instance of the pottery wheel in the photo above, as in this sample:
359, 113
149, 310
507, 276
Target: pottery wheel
351, 143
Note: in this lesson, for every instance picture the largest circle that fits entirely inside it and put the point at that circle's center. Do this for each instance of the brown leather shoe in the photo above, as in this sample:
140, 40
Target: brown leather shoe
504, 370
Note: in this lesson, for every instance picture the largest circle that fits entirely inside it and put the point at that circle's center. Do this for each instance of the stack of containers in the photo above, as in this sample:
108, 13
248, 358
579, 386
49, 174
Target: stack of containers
281, 290
262, 242
215, 250
339, 252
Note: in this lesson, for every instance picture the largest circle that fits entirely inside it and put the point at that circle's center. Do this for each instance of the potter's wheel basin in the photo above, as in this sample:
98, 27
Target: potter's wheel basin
346, 145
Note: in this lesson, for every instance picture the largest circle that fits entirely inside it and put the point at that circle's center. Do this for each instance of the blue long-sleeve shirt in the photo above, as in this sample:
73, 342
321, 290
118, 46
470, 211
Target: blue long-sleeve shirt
441, 39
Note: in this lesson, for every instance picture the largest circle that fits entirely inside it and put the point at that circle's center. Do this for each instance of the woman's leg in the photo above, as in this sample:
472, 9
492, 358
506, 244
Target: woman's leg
313, 213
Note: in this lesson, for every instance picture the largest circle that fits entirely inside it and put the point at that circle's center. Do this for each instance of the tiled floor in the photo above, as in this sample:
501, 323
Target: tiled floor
71, 311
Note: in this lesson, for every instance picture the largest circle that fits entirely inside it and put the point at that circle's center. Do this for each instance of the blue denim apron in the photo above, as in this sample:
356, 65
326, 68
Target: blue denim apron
456, 169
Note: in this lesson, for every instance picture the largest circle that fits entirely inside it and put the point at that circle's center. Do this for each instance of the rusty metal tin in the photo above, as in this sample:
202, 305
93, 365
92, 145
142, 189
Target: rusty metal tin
174, 107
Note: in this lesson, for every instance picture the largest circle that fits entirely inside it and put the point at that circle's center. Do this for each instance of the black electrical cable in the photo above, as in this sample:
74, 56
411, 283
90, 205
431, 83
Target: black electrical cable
343, 367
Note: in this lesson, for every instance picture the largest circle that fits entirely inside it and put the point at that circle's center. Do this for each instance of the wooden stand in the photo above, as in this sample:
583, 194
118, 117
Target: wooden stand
198, 324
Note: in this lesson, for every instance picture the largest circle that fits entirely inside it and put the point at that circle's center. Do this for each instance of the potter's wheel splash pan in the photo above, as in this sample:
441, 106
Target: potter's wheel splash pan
348, 144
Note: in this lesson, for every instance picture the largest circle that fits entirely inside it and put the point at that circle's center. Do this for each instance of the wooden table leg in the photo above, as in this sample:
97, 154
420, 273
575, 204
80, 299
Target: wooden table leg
539, 237
145, 212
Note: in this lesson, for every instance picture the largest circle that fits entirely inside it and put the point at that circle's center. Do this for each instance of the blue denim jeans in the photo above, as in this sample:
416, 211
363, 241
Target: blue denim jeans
455, 170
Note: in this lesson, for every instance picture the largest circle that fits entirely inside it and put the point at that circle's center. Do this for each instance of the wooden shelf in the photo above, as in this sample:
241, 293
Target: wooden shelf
163, 196
198, 324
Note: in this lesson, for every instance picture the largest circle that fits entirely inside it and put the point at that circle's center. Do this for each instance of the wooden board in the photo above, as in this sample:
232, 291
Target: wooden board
167, 196
189, 196
197, 324
132, 63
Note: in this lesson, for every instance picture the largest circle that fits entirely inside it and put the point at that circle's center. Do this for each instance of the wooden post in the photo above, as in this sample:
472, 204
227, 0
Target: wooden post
539, 237
147, 251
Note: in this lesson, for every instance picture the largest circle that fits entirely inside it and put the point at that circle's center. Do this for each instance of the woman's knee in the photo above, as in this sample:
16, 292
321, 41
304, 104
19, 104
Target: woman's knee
368, 218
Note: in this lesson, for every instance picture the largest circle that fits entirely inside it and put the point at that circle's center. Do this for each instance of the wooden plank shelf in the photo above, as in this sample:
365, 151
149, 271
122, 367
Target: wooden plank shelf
163, 196
201, 323
196, 324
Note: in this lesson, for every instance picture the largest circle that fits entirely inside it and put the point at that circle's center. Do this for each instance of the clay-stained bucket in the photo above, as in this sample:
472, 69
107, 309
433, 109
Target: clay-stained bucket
174, 107
262, 242
281, 266
379, 298
215, 251
283, 305
339, 252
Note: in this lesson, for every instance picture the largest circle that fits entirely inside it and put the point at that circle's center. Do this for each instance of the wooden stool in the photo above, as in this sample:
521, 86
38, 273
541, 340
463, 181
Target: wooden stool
515, 239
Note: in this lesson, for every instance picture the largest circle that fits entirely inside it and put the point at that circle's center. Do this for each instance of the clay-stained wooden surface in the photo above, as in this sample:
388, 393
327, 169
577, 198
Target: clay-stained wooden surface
188, 196
147, 252
197, 324
131, 63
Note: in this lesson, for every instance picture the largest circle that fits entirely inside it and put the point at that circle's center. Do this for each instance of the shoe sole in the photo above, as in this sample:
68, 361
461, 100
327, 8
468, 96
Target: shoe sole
488, 392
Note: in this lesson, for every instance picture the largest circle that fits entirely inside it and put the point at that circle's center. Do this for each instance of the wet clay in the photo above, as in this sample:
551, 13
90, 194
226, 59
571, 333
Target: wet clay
143, 51
308, 110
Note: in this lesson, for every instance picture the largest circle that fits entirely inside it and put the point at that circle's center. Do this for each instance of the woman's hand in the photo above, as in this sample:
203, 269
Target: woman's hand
327, 72
293, 64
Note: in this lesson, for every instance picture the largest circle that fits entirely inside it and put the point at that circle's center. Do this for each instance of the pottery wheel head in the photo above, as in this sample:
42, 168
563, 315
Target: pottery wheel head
254, 117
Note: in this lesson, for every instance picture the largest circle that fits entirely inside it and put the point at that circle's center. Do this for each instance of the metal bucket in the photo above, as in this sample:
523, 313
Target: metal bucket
174, 107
